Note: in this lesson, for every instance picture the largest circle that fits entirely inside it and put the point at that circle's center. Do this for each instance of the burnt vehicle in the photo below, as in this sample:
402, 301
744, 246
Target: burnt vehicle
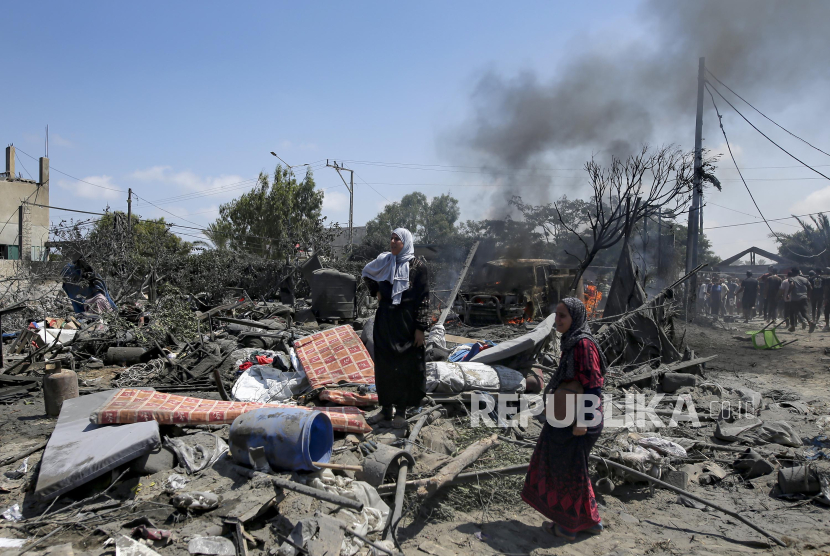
511, 291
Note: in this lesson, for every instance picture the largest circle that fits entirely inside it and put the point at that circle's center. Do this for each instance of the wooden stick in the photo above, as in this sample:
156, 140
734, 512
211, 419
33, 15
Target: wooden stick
463, 478
23, 454
340, 466
456, 466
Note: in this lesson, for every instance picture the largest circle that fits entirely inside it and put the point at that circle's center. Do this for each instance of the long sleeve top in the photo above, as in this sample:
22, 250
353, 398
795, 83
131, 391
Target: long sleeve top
416, 297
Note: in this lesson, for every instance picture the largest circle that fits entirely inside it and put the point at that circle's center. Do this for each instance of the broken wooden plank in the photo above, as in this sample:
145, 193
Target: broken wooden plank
645, 378
462, 478
459, 339
454, 467
445, 313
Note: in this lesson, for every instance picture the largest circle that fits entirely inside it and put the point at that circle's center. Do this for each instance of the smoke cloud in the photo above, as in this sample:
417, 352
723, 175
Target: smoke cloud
612, 98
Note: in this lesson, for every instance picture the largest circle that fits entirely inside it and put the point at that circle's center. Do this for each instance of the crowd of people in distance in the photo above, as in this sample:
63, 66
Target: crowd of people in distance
793, 296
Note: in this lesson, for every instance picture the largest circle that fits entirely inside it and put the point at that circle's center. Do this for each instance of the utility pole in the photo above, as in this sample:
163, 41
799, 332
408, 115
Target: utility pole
660, 249
350, 187
129, 209
692, 240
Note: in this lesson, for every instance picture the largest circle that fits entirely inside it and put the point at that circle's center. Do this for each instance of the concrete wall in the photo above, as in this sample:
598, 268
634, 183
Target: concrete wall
12, 192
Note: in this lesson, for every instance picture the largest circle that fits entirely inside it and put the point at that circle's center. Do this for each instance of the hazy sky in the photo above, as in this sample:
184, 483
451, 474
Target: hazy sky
182, 101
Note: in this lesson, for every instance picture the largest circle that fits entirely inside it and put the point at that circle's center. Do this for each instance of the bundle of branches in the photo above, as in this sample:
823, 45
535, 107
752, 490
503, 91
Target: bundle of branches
642, 335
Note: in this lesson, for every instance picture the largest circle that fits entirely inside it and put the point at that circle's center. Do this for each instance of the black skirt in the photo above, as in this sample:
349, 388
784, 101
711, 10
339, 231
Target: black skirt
400, 367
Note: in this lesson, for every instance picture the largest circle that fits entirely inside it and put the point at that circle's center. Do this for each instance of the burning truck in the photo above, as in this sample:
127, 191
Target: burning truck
511, 291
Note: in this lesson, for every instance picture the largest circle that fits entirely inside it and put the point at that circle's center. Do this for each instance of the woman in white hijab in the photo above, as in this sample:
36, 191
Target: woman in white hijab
401, 284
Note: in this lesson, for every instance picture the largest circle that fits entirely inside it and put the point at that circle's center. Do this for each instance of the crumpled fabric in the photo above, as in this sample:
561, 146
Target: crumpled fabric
375, 511
266, 384
776, 432
97, 304
196, 458
262, 360
663, 446
446, 377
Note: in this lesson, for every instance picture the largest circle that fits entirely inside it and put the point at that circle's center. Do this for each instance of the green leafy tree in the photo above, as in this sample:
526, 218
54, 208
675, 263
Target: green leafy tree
809, 246
431, 221
275, 217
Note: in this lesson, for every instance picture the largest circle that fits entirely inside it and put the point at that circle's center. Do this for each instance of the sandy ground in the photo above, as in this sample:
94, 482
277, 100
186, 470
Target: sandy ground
637, 519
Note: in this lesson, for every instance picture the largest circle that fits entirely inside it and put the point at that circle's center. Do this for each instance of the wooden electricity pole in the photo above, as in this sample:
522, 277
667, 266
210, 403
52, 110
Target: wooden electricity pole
693, 235
350, 187
129, 209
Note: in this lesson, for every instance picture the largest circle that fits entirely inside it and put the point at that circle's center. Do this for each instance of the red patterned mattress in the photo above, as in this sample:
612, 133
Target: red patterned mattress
131, 405
348, 398
334, 356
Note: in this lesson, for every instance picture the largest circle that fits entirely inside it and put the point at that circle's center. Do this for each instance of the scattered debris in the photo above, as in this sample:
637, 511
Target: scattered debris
245, 430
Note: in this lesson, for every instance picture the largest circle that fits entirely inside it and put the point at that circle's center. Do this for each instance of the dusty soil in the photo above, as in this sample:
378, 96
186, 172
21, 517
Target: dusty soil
638, 521
486, 518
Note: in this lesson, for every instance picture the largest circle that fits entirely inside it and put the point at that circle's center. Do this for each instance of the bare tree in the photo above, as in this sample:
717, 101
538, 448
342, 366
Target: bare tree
630, 190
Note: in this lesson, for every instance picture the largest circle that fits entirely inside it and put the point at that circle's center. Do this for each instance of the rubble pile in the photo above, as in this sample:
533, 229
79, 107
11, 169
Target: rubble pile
241, 428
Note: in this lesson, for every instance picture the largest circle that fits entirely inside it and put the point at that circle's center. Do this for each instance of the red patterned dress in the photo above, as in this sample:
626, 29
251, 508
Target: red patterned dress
557, 484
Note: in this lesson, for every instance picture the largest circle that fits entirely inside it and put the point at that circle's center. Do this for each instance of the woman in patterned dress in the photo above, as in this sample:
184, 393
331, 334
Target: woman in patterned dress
557, 483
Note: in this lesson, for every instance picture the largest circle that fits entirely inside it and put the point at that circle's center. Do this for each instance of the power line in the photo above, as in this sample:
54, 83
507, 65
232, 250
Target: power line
735, 162
795, 216
205, 192
741, 212
372, 188
485, 170
761, 132
167, 211
21, 164
73, 177
764, 115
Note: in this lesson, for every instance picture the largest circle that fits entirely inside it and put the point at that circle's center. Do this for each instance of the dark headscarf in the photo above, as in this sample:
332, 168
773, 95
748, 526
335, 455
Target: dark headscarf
579, 330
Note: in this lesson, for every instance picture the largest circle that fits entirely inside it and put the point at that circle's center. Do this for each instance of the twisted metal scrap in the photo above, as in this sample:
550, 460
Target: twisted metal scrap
140, 374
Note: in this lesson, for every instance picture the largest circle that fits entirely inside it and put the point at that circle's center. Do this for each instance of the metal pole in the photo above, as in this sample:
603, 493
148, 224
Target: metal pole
351, 208
659, 248
20, 233
339, 167
694, 212
129, 209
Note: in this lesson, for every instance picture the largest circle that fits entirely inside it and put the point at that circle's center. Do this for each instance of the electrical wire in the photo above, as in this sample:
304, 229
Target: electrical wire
708, 85
793, 217
167, 211
735, 162
744, 213
370, 186
21, 164
73, 177
204, 192
764, 115
485, 170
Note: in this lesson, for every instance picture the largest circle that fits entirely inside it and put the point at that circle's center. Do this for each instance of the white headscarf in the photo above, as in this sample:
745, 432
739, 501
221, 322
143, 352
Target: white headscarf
393, 269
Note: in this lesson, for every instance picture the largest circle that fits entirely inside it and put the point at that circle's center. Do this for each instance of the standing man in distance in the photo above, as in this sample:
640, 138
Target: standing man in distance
800, 294
749, 287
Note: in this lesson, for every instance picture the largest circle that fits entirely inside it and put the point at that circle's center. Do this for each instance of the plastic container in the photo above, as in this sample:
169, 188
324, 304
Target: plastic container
292, 439
59, 385
799, 480
332, 294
